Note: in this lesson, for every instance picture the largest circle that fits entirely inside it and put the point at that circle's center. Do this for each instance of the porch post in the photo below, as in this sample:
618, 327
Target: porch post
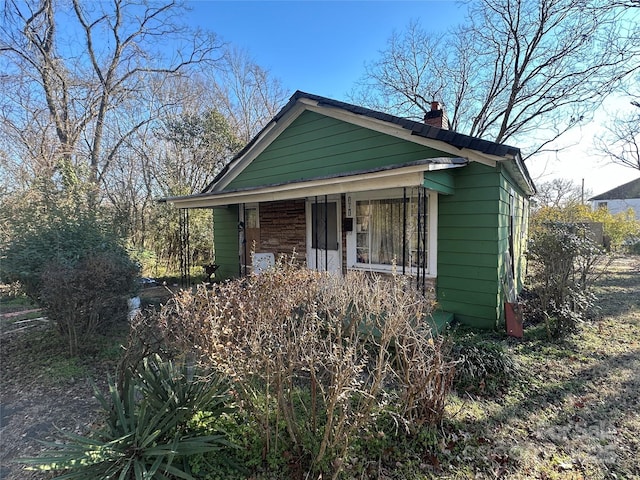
315, 228
418, 246
326, 236
185, 249
243, 267
404, 230
424, 240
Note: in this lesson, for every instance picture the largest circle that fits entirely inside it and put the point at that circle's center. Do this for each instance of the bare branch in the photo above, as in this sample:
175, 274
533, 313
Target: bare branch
515, 69
621, 141
110, 69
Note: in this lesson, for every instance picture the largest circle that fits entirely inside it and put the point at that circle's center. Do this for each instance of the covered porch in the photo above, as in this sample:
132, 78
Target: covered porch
383, 221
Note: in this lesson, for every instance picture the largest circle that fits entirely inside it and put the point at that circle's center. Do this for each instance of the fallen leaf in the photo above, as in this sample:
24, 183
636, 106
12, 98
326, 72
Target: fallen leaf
565, 466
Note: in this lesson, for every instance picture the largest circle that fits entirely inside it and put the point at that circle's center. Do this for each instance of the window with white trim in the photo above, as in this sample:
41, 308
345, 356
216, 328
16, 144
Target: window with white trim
251, 216
392, 227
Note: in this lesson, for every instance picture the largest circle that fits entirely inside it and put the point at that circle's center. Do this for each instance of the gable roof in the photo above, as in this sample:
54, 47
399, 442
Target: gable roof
623, 192
449, 141
458, 150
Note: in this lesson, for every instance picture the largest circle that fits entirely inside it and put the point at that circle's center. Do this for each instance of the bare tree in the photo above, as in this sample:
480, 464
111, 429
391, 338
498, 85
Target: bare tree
27, 136
621, 141
560, 193
81, 77
518, 69
246, 93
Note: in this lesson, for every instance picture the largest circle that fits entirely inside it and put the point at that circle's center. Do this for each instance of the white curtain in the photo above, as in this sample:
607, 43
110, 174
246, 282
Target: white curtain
381, 230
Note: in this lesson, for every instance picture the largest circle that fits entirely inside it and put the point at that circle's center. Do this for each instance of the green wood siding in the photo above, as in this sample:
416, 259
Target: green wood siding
225, 225
521, 221
473, 238
473, 208
315, 146
440, 180
468, 247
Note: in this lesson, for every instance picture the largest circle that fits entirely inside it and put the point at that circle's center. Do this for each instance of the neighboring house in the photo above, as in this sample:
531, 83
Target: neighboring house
350, 188
620, 199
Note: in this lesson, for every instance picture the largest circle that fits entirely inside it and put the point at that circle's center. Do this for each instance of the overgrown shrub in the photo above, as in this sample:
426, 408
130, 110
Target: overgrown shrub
68, 259
315, 359
563, 264
152, 428
619, 228
88, 297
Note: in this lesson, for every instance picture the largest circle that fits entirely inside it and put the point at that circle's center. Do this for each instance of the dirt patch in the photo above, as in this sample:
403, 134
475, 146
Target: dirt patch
42, 390
41, 396
37, 413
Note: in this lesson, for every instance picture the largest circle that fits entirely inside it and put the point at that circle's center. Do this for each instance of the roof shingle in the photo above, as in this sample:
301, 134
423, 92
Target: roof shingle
623, 192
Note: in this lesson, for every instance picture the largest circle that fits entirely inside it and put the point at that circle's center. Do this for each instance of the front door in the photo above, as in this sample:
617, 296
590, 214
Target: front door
323, 235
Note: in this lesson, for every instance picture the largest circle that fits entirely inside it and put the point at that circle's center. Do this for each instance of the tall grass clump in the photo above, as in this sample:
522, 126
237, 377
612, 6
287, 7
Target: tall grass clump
315, 360
483, 365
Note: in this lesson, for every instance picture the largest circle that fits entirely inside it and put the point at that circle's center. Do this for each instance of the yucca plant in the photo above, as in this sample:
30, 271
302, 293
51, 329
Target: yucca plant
147, 434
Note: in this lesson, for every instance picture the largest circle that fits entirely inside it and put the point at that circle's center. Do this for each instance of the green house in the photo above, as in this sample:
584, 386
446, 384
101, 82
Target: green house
349, 188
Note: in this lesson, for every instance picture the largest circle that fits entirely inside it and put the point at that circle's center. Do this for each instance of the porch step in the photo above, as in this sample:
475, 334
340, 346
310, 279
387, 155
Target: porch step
440, 320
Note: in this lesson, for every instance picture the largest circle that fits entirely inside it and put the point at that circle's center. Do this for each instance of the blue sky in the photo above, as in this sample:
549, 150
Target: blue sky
321, 47
317, 46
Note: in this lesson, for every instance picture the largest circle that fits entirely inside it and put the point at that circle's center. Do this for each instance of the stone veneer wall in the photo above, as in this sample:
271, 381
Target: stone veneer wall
283, 228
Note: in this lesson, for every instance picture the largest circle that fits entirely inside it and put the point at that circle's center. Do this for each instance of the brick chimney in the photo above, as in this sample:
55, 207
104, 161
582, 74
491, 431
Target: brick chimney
436, 117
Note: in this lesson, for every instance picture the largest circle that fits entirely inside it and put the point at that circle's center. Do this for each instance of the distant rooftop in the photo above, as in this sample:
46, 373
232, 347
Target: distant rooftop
623, 192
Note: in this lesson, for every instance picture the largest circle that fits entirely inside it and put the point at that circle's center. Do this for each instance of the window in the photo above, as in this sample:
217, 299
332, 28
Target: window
391, 227
251, 217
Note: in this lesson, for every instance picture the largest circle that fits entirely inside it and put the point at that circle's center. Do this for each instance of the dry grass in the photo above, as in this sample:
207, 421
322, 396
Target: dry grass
576, 413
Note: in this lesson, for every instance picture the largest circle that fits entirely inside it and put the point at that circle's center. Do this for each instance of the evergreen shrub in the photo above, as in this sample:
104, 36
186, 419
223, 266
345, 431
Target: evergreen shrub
563, 264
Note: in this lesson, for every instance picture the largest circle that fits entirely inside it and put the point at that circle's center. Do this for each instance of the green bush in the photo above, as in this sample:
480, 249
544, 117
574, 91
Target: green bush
58, 242
563, 263
67, 259
149, 431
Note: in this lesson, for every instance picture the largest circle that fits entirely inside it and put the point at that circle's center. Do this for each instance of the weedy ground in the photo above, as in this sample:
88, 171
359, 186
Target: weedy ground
573, 412
42, 389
